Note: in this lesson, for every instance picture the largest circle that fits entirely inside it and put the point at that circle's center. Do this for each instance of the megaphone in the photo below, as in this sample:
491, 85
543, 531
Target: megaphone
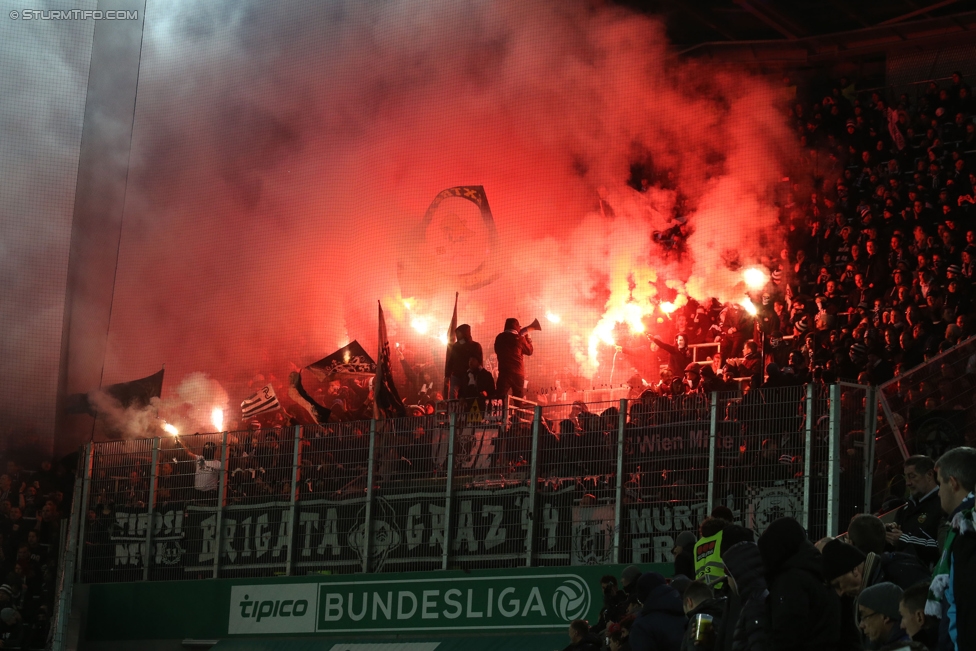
532, 326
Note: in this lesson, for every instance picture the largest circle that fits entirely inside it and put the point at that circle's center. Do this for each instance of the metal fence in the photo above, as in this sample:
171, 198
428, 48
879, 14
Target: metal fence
484, 485
926, 410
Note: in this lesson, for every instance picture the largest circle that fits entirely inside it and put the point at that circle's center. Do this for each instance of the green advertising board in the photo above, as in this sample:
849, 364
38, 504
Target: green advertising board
452, 602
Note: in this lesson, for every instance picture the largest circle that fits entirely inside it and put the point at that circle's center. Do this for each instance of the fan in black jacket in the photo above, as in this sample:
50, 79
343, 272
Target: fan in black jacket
744, 564
803, 614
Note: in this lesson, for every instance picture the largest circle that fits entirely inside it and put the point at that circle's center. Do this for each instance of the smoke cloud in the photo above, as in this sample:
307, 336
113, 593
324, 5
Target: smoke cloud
42, 98
284, 155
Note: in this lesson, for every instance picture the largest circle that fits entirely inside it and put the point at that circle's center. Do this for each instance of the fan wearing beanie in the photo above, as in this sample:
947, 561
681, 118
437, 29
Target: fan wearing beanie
878, 615
843, 567
660, 626
628, 579
803, 614
684, 554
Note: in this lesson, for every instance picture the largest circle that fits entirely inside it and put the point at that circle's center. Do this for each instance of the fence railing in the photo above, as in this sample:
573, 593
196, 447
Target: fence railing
484, 485
925, 410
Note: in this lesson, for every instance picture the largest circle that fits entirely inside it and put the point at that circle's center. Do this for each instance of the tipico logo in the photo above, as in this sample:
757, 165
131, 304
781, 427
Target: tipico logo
272, 609
571, 600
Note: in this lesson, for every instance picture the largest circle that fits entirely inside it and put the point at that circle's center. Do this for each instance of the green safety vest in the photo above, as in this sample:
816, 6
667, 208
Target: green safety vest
709, 567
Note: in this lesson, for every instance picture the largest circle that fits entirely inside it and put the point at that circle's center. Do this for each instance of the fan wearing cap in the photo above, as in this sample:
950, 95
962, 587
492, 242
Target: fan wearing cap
660, 626
878, 615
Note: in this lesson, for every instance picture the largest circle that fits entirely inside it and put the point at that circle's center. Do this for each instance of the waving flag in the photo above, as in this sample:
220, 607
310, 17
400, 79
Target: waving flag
262, 401
137, 394
350, 360
451, 340
386, 399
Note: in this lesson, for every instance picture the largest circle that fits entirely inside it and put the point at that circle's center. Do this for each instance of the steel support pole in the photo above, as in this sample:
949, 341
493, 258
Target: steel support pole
219, 515
65, 584
85, 496
807, 454
449, 495
833, 464
870, 425
370, 478
150, 510
533, 481
618, 507
292, 507
712, 442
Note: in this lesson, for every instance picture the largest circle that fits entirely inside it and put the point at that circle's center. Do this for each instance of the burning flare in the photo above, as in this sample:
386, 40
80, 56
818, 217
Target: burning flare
750, 308
755, 278
553, 318
217, 418
171, 429
420, 324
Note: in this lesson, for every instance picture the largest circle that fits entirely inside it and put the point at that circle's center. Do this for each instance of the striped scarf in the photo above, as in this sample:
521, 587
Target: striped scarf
962, 525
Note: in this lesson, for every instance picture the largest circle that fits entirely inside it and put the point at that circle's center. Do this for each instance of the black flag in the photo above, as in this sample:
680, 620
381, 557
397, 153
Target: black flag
351, 359
137, 393
386, 399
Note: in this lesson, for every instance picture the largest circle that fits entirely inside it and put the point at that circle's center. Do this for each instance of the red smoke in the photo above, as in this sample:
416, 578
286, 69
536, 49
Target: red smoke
282, 159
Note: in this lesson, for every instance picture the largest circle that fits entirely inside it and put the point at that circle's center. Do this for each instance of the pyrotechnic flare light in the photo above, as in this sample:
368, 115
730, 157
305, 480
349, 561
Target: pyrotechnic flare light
171, 429
750, 308
633, 315
553, 318
217, 418
668, 307
755, 278
443, 338
420, 325
408, 303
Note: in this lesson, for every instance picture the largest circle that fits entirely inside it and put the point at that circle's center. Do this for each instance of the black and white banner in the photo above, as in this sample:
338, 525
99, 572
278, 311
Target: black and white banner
572, 526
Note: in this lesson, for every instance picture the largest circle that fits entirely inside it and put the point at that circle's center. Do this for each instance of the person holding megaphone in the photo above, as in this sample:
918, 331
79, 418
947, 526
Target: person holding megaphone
510, 346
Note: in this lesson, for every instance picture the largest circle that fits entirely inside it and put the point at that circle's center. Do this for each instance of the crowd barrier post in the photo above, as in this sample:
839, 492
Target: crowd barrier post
86, 471
59, 626
533, 486
618, 508
833, 462
712, 441
807, 456
150, 508
870, 430
449, 491
292, 506
219, 516
368, 512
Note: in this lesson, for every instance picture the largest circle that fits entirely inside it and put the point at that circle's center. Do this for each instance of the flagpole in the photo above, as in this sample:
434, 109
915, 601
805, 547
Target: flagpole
451, 340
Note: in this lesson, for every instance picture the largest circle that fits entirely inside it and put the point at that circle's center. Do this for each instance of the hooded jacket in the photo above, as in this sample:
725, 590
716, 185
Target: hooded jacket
803, 614
745, 566
661, 623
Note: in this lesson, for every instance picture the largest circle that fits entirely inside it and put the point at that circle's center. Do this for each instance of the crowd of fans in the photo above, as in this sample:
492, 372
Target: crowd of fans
902, 585
32, 503
877, 275
876, 278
